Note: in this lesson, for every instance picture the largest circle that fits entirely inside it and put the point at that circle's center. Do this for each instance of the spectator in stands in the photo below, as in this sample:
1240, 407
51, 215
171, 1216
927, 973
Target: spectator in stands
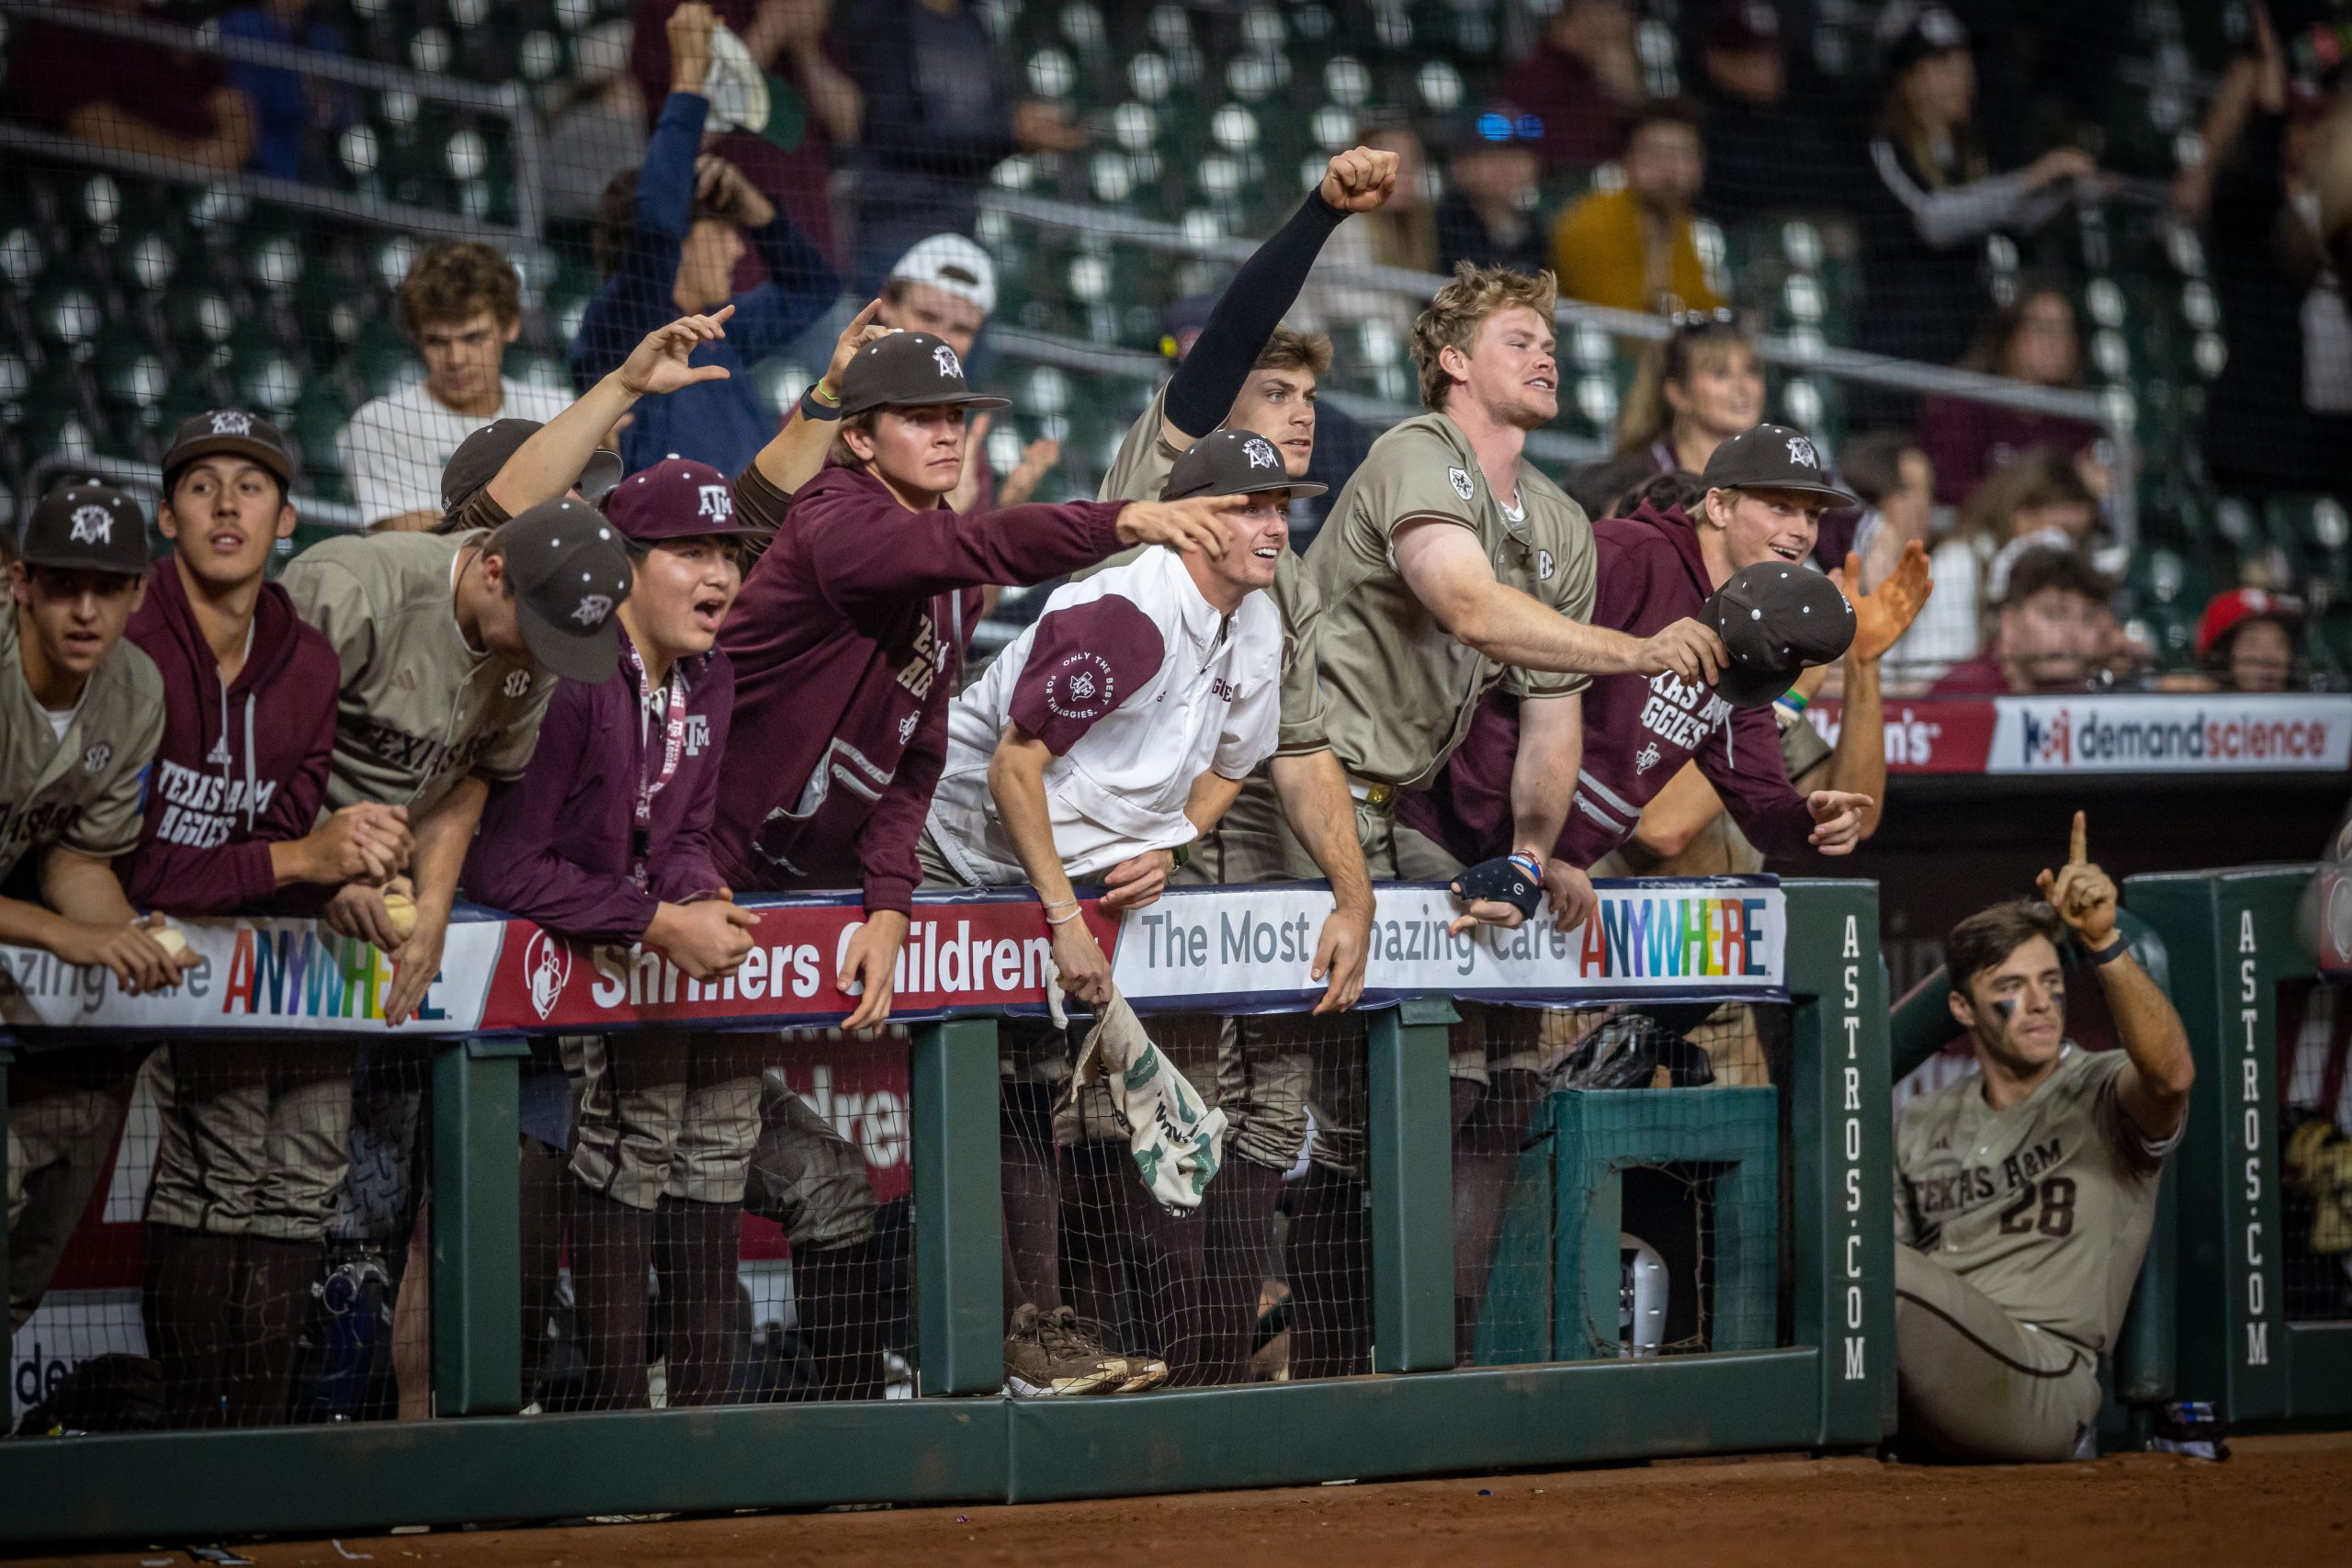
461, 305
814, 107
251, 1147
294, 114
81, 712
155, 100
1487, 218
1897, 481
1402, 233
1581, 81
2038, 502
600, 124
1632, 248
668, 235
1931, 198
1768, 149
2051, 630
2032, 339
2247, 639
1698, 387
945, 286
2278, 419
943, 108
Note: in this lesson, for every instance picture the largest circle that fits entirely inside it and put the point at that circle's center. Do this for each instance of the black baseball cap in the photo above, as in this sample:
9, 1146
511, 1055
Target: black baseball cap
1771, 457
675, 499
1776, 619
1911, 33
232, 430
83, 526
480, 456
1232, 462
908, 370
570, 574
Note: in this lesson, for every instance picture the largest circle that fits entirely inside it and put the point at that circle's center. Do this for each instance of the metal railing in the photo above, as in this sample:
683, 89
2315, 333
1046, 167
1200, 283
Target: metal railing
508, 100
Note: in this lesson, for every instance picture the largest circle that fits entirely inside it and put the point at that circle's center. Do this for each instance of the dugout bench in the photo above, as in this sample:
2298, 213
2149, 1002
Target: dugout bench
1825, 1379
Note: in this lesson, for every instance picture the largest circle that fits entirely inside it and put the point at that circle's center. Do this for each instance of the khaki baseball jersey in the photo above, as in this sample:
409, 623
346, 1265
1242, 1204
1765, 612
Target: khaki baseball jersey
2044, 1207
420, 710
85, 790
1139, 473
1398, 689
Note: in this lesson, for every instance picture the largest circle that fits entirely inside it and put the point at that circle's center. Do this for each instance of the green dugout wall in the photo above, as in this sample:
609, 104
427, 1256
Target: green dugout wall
1825, 1383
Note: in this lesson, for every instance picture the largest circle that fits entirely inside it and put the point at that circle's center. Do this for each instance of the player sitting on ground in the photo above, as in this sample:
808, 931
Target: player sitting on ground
80, 716
251, 1143
1110, 734
2025, 1193
606, 837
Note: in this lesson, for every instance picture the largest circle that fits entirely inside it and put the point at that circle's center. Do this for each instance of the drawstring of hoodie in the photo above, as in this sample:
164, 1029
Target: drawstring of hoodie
252, 782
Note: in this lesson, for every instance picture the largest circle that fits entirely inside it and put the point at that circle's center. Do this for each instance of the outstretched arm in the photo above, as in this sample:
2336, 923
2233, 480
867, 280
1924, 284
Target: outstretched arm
1443, 564
2154, 1086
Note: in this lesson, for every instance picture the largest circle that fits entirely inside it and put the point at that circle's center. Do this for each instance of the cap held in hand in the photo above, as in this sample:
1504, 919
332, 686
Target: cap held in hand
570, 574
1232, 462
86, 526
1775, 620
908, 370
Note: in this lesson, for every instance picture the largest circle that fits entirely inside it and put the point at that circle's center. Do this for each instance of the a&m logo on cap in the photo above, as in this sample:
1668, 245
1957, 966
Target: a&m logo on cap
718, 502
593, 608
945, 358
1800, 451
93, 525
1260, 454
233, 425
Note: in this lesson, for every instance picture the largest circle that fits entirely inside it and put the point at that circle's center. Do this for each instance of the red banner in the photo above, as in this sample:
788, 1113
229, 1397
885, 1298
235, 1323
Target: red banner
1946, 736
983, 953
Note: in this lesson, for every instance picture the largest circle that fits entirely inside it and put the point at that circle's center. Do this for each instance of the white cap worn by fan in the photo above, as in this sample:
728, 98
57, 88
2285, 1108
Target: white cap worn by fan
953, 264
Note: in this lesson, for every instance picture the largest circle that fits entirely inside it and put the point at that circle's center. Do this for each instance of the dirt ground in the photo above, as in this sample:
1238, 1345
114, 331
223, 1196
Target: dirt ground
2279, 1502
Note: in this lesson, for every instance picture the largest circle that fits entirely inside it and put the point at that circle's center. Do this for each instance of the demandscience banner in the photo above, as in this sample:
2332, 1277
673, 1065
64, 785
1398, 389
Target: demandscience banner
2113, 733
1238, 948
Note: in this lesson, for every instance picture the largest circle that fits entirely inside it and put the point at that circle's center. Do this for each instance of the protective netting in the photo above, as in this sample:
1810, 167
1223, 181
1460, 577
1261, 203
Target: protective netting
2316, 1149
207, 205
220, 1233
1627, 1153
728, 1224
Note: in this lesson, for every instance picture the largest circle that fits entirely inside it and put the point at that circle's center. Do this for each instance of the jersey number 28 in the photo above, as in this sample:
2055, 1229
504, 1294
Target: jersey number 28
2055, 1197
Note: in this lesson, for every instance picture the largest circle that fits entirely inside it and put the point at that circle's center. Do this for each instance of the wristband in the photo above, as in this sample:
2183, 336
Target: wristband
1065, 920
1528, 864
814, 407
2111, 951
1179, 855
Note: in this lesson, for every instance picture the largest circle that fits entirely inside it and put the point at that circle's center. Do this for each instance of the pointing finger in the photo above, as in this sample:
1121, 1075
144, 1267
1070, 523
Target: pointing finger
2081, 847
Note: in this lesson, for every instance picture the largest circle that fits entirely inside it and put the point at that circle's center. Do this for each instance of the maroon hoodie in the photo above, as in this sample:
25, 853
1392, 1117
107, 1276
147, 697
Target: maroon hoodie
555, 844
1637, 732
845, 655
238, 770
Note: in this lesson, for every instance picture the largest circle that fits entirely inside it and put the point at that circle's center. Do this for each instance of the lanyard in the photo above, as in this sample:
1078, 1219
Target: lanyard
674, 746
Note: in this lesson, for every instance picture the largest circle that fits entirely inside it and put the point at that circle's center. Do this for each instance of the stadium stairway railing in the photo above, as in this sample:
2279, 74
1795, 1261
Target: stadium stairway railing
1827, 1384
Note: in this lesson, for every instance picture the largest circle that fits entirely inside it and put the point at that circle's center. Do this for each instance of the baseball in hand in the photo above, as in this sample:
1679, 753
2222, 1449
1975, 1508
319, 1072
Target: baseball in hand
401, 909
169, 939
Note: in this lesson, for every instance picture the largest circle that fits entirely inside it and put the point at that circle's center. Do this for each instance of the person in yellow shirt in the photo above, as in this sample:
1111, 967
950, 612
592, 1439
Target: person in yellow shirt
1631, 247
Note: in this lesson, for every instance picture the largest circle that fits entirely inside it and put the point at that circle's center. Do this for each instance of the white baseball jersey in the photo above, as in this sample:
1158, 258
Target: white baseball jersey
1138, 685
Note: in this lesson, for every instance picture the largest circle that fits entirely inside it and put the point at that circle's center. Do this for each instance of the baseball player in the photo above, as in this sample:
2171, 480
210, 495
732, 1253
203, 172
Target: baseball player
2024, 1193
251, 1138
843, 652
1245, 371
1449, 564
606, 837
1112, 733
80, 716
